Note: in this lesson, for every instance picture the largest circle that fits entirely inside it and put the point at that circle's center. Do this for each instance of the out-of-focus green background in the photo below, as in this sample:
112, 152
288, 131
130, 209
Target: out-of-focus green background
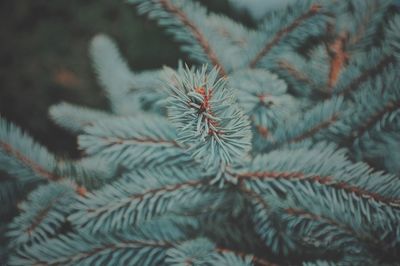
44, 57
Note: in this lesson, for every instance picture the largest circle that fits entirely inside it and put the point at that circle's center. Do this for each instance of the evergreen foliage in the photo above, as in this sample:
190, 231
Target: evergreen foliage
281, 147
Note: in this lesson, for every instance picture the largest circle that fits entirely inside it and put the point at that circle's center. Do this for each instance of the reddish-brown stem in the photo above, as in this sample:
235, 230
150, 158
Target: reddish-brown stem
36, 168
134, 140
372, 120
206, 107
121, 244
324, 180
294, 72
299, 212
369, 73
263, 131
314, 130
283, 32
198, 35
311, 132
42, 214
339, 59
168, 188
312, 216
363, 25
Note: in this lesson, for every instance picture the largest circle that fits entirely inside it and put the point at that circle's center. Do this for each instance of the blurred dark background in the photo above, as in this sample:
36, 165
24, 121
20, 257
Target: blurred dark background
44, 57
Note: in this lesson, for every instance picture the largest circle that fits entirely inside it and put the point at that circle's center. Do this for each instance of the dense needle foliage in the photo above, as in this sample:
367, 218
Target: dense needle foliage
281, 147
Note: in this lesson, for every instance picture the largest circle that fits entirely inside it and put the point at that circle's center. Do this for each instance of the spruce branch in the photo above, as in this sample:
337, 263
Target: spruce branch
313, 10
339, 59
337, 172
74, 118
389, 107
366, 22
279, 226
10, 191
112, 70
203, 251
352, 188
383, 64
24, 159
167, 4
137, 198
207, 117
170, 15
378, 144
231, 257
146, 245
31, 164
368, 112
294, 72
286, 226
308, 75
120, 140
316, 122
262, 95
42, 214
264, 98
129, 93
198, 189
392, 33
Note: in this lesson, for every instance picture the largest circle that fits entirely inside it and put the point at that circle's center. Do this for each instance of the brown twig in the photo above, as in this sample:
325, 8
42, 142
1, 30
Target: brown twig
367, 74
283, 32
198, 35
324, 180
36, 168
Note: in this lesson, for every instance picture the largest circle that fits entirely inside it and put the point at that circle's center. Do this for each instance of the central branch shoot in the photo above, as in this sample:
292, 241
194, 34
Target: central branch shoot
208, 118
